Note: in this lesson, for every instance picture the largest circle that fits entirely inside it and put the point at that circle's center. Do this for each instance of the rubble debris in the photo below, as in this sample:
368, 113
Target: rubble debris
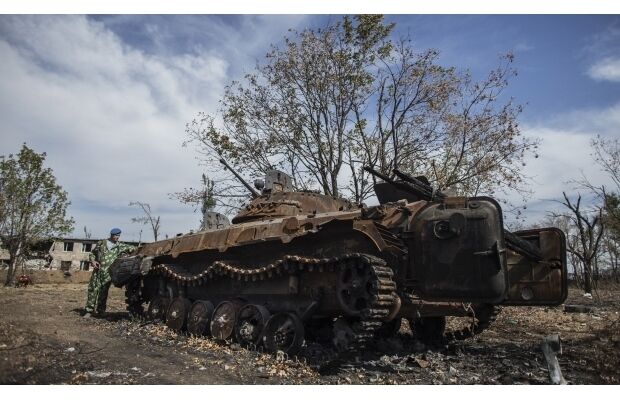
98, 374
422, 363
578, 308
551, 346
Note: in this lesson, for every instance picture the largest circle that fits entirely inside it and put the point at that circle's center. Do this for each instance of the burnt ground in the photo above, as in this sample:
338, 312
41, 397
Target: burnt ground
44, 340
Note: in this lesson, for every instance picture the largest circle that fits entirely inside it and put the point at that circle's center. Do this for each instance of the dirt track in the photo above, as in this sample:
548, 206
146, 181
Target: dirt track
44, 340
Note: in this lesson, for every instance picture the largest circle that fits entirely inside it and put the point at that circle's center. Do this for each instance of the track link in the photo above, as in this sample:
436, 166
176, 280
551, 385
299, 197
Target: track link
362, 327
372, 318
483, 316
133, 298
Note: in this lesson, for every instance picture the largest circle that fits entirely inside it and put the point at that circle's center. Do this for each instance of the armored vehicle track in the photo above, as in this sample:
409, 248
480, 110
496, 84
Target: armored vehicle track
365, 291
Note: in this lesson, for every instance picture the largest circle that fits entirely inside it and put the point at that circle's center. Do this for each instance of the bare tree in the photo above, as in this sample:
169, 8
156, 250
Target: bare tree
296, 111
564, 223
148, 217
434, 121
606, 154
585, 240
412, 93
331, 100
225, 195
611, 247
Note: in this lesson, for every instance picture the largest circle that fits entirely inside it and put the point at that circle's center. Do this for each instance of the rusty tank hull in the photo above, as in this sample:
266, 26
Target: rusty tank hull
297, 267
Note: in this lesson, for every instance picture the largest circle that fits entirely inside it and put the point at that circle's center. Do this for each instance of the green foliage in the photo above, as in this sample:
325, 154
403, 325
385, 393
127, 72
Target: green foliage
32, 205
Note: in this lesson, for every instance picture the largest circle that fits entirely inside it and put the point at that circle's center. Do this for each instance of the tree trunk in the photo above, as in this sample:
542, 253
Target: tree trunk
614, 268
596, 273
15, 254
587, 278
10, 273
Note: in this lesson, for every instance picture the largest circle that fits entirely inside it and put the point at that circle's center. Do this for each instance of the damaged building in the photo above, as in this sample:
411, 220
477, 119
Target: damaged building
64, 254
71, 254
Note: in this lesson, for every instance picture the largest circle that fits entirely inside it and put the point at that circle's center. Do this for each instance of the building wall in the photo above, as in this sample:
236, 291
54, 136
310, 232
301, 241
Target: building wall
4, 256
67, 254
71, 254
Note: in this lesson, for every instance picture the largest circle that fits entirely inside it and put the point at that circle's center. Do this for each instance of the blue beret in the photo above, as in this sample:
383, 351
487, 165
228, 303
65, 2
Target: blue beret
115, 231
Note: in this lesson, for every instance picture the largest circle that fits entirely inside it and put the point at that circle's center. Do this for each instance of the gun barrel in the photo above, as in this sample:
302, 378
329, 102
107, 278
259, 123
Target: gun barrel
423, 188
522, 246
410, 184
255, 194
379, 174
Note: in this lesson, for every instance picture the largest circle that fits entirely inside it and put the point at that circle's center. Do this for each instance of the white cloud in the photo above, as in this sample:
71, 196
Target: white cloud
607, 69
110, 117
565, 156
592, 122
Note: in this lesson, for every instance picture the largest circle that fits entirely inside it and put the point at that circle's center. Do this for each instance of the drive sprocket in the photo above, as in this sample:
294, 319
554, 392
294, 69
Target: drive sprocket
133, 298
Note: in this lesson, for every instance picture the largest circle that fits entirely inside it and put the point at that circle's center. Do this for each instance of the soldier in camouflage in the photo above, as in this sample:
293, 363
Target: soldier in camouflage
102, 256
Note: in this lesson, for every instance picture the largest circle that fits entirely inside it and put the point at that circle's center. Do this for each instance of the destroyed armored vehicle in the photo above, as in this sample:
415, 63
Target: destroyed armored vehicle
302, 266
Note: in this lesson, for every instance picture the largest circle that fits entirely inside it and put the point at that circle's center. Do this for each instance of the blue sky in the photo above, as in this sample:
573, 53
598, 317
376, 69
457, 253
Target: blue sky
107, 97
553, 54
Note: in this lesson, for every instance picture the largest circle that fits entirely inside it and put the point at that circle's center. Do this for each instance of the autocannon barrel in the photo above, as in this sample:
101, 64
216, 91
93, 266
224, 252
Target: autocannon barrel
409, 184
255, 194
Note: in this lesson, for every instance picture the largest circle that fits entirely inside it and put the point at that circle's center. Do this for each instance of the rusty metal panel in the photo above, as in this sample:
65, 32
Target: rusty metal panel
538, 282
459, 253
285, 204
185, 244
246, 235
239, 234
156, 248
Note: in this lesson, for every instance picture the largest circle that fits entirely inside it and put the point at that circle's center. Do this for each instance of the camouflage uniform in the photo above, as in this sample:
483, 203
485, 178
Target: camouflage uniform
100, 280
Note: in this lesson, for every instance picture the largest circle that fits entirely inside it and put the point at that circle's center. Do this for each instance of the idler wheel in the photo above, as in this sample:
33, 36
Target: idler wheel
200, 318
284, 332
176, 316
158, 308
223, 320
355, 288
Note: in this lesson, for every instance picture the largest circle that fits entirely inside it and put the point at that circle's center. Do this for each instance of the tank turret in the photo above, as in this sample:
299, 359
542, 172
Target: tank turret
278, 200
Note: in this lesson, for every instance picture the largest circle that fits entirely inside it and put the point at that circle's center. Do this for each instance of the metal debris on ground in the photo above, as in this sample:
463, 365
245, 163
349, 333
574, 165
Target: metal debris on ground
578, 308
551, 346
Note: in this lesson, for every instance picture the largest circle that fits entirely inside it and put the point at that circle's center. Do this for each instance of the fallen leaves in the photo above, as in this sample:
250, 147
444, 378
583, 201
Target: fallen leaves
507, 353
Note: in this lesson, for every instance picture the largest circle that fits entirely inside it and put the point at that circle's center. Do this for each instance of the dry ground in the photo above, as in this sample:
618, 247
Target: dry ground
44, 340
